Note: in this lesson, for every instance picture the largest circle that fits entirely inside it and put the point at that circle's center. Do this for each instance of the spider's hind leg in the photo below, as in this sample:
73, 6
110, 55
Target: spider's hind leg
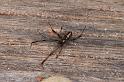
42, 63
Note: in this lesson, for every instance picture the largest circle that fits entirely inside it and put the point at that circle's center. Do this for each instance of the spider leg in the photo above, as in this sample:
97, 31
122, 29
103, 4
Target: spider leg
75, 38
50, 40
48, 56
36, 42
59, 52
61, 29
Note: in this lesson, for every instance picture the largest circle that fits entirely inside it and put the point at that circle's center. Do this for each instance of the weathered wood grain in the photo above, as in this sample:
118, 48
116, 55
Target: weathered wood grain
97, 56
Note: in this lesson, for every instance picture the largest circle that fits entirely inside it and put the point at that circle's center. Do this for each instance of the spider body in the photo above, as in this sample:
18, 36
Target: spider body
63, 39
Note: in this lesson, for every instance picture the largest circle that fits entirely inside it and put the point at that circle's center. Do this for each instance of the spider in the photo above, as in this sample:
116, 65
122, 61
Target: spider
62, 39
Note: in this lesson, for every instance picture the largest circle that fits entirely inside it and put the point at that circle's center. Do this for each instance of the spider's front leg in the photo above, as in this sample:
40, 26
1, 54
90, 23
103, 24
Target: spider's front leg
75, 38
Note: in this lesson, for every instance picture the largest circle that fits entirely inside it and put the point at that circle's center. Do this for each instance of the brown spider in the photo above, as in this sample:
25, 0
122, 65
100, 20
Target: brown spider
63, 38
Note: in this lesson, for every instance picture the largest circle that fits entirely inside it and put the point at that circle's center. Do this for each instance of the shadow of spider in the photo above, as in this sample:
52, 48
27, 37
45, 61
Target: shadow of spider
63, 38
